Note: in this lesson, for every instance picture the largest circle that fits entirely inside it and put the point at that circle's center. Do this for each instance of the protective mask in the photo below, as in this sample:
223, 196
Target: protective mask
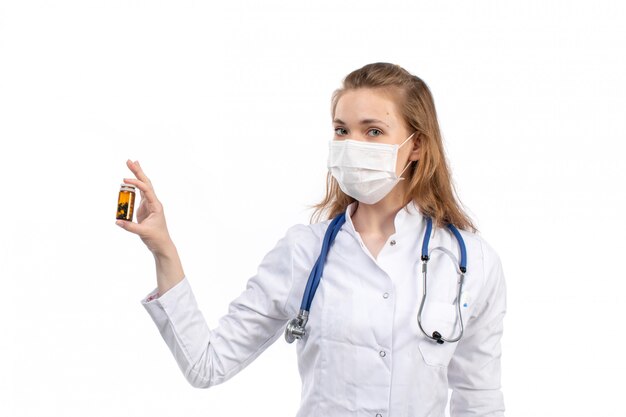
365, 171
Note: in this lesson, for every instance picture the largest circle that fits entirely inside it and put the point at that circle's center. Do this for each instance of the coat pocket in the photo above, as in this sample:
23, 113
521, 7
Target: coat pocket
440, 317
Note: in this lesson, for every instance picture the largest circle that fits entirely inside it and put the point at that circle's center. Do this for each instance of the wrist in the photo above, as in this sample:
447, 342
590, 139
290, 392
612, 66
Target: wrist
165, 251
169, 270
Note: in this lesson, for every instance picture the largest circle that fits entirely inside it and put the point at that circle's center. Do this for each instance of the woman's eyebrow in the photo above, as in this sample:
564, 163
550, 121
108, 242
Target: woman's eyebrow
363, 122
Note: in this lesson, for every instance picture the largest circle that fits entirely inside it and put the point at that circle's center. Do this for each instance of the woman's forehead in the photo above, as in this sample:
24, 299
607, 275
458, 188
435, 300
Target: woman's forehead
365, 103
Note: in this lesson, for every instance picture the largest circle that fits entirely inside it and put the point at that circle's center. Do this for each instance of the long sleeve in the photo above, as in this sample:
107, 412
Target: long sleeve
474, 371
255, 320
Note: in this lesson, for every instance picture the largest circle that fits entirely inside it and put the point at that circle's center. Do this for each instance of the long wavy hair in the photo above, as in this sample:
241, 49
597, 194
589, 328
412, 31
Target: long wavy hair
430, 182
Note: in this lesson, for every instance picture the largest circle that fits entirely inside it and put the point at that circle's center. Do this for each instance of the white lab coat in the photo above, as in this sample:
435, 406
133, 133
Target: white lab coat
363, 353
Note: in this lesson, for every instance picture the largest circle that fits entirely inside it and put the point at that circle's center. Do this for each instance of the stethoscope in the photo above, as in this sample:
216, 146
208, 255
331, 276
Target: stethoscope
296, 327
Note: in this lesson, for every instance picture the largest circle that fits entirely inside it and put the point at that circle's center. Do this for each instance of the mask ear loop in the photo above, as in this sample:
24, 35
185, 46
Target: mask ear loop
407, 165
407, 139
410, 162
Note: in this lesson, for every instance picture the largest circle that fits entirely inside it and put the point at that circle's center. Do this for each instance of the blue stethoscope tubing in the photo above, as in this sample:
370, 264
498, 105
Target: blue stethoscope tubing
437, 336
296, 328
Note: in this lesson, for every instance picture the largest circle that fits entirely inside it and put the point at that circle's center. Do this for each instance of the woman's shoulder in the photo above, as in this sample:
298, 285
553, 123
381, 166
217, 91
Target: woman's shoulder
478, 242
316, 229
482, 252
480, 249
307, 235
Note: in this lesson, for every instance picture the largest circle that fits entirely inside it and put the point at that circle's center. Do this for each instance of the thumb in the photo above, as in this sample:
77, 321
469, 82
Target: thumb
128, 225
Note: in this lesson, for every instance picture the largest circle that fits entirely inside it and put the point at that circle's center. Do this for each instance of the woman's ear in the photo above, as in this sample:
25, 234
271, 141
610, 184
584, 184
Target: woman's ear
417, 148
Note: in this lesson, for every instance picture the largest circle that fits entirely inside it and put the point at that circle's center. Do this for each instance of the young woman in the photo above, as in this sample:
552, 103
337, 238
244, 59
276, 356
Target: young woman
390, 328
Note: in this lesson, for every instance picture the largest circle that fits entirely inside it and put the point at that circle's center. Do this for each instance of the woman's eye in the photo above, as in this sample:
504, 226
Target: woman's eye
374, 132
340, 131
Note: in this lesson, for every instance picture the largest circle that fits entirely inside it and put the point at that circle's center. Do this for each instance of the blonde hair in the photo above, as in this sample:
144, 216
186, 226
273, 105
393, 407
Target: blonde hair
429, 181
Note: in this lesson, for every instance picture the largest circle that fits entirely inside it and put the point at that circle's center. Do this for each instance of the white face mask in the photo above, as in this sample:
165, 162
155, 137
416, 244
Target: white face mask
365, 171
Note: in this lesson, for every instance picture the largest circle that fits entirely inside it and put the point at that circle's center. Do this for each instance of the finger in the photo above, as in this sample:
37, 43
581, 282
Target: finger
130, 226
136, 169
147, 191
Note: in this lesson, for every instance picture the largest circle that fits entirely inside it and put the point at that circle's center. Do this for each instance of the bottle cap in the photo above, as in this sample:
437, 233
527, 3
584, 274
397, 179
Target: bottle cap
128, 185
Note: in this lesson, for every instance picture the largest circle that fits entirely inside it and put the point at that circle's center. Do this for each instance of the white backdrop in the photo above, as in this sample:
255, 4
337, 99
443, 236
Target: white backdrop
226, 106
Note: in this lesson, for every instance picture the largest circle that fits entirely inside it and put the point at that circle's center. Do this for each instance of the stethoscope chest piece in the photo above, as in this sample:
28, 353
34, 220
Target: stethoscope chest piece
296, 327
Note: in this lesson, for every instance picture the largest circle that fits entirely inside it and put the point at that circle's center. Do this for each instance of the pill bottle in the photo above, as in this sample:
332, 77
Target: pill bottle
126, 202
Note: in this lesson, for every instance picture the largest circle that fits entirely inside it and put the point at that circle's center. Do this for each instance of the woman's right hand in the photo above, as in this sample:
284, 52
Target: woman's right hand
151, 226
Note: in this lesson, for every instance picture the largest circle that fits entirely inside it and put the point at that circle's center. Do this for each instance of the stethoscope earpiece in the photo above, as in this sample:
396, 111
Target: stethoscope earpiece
437, 337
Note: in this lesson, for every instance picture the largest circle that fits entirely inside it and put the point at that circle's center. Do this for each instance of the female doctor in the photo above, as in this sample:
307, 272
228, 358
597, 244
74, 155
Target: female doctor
409, 300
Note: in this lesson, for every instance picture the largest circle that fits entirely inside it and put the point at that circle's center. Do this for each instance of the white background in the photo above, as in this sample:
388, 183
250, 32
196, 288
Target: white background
226, 106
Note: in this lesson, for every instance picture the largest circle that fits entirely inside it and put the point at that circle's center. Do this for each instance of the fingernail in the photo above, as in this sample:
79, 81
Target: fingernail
119, 223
